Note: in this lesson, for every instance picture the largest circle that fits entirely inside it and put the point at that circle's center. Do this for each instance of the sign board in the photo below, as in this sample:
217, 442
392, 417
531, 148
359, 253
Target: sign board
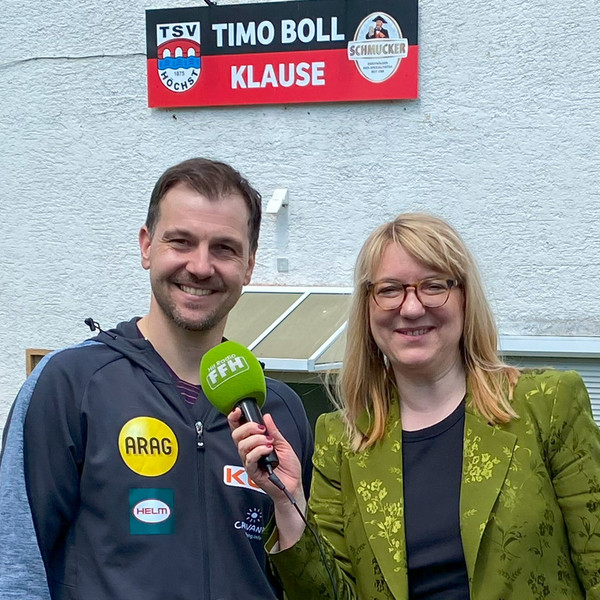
282, 52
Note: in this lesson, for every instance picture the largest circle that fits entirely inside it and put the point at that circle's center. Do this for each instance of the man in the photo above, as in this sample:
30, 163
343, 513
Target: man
379, 31
129, 485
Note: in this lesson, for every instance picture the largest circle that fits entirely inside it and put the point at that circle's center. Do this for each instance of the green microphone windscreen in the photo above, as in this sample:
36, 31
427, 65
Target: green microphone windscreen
229, 373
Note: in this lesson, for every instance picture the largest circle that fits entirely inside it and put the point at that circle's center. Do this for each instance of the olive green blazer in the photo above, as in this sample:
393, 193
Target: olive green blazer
529, 506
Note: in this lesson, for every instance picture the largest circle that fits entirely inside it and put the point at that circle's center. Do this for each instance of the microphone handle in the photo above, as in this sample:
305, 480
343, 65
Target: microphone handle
252, 414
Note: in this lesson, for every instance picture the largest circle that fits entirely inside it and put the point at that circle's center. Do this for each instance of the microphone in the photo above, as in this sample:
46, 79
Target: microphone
231, 376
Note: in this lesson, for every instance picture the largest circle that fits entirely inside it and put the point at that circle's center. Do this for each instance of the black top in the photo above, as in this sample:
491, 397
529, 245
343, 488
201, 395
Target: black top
432, 466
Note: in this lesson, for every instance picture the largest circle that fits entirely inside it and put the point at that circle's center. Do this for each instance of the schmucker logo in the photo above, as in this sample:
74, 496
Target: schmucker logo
378, 47
178, 55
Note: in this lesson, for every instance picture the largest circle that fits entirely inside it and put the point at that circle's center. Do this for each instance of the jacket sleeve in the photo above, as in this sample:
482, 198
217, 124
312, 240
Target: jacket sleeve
574, 456
301, 568
22, 573
53, 452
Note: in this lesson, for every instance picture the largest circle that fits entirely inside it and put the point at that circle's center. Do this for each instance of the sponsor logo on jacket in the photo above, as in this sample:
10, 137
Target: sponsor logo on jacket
151, 511
252, 525
237, 477
148, 446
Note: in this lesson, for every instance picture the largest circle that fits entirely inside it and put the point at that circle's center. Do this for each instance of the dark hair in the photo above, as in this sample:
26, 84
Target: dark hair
212, 179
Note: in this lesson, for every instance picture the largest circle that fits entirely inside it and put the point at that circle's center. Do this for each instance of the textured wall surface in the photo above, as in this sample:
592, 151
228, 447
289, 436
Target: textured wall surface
503, 142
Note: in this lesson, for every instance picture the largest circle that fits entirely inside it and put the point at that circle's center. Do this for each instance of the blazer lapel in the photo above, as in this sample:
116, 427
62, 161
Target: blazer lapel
377, 477
487, 455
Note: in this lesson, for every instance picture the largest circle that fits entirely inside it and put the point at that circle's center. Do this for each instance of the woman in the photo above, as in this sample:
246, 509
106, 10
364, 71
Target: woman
446, 473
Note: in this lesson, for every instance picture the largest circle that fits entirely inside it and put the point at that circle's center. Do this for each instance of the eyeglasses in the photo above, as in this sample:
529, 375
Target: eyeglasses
431, 293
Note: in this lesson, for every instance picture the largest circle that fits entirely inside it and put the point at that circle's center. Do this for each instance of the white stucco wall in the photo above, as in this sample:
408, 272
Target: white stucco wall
503, 142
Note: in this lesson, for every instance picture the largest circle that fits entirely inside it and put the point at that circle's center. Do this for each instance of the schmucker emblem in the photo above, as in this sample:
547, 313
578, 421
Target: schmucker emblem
178, 55
378, 47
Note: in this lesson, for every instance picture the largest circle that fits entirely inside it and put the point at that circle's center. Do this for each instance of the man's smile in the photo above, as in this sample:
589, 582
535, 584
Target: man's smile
195, 291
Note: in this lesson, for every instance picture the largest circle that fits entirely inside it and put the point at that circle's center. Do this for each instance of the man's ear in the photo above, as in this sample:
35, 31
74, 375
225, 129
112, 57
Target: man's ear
251, 262
145, 242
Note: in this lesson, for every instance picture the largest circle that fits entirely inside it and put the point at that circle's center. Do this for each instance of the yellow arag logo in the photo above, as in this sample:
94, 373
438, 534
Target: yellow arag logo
148, 446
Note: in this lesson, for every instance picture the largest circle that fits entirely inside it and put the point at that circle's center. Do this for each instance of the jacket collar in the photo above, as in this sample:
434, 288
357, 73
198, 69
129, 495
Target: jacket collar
487, 454
377, 479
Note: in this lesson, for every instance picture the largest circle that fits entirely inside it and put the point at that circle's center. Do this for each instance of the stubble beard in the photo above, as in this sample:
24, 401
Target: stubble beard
205, 322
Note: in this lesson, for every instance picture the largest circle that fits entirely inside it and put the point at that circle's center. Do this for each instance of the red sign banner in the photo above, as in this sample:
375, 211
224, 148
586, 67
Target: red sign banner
282, 52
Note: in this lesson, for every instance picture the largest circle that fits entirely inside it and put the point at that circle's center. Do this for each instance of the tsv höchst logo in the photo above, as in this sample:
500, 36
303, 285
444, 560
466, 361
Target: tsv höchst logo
178, 55
378, 47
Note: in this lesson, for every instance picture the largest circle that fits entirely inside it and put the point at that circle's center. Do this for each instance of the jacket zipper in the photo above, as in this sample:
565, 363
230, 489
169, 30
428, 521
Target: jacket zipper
200, 456
199, 435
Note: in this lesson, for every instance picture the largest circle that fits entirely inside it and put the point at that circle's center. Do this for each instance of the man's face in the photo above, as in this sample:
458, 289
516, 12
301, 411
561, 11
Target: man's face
379, 24
199, 257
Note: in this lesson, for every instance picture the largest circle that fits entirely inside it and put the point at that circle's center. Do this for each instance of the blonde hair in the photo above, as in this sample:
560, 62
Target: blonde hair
366, 381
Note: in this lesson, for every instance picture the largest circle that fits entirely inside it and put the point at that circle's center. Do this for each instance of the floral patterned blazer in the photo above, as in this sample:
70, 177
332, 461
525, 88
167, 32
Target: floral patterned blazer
529, 507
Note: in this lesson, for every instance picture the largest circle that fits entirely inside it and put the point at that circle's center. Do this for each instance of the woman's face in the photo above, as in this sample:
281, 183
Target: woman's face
418, 341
